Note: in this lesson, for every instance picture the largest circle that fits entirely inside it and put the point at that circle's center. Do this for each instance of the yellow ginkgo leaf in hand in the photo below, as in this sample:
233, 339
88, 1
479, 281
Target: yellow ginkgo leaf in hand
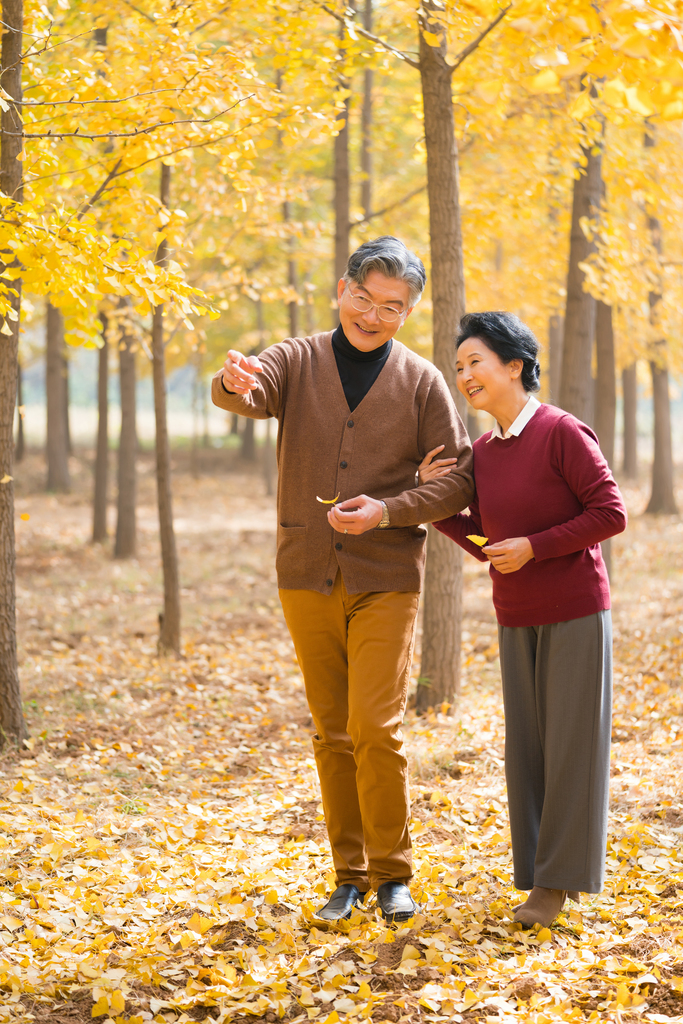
327, 501
477, 540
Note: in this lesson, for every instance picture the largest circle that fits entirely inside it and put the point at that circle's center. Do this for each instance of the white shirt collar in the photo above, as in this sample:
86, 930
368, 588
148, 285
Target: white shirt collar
516, 428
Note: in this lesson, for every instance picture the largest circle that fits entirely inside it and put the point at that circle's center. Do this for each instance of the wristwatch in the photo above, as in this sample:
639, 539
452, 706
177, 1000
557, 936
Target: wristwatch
384, 521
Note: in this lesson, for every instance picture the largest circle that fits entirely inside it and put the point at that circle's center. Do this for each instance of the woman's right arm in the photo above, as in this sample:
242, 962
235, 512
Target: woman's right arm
458, 527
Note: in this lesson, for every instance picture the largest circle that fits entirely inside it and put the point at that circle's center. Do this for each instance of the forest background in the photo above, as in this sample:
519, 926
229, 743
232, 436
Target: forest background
179, 178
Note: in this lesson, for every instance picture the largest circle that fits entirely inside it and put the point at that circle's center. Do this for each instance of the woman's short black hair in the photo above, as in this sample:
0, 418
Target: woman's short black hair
508, 337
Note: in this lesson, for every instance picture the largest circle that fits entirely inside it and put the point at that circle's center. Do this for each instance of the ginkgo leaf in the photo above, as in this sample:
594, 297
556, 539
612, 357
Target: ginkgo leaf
431, 38
328, 501
545, 81
476, 539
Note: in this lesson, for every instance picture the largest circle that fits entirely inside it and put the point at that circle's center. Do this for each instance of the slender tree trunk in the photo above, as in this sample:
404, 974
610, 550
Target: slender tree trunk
662, 498
576, 390
629, 392
206, 433
366, 127
269, 458
268, 454
234, 424
99, 514
342, 199
473, 425
57, 439
125, 545
195, 417
605, 397
67, 401
248, 449
606, 388
442, 620
12, 724
292, 270
555, 337
20, 445
292, 276
169, 621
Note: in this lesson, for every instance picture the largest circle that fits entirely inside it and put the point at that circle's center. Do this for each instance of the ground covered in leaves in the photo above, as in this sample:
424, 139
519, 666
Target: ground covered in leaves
162, 847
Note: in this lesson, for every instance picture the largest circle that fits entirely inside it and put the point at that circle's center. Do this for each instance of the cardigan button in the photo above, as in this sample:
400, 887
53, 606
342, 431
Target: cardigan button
343, 465
338, 547
328, 583
350, 423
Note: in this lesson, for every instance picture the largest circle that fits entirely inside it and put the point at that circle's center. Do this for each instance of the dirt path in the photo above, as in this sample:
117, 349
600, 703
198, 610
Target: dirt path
163, 848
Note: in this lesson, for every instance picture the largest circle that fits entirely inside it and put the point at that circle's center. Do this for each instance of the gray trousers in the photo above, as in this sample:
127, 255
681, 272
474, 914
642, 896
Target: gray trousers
557, 692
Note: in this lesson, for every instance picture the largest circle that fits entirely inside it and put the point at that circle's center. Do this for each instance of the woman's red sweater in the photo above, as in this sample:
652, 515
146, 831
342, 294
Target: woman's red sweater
551, 484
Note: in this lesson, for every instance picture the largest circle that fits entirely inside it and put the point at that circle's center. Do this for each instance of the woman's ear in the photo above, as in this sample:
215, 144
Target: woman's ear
515, 366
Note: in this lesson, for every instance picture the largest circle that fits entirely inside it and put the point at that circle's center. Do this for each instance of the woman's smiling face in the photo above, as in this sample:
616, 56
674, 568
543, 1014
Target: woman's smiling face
483, 378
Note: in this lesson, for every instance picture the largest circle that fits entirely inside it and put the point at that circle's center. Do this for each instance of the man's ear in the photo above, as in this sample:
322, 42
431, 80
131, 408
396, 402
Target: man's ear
408, 312
341, 288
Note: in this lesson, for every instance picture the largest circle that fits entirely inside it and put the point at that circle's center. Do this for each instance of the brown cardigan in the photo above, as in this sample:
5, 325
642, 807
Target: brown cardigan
323, 449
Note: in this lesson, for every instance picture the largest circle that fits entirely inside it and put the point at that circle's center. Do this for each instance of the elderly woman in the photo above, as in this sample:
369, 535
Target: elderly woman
545, 499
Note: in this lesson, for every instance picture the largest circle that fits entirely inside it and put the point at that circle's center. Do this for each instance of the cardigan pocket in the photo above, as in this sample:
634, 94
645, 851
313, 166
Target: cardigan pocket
292, 548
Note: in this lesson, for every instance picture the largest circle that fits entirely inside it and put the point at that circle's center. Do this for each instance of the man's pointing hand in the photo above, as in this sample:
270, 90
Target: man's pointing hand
238, 372
357, 515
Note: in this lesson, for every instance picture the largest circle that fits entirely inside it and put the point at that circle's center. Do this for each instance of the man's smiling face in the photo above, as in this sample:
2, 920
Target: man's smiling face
365, 331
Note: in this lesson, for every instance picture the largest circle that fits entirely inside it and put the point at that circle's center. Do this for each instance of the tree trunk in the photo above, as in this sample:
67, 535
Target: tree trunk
125, 544
555, 338
605, 398
662, 498
248, 450
576, 390
169, 621
342, 200
473, 425
366, 127
99, 513
206, 432
269, 469
194, 468
442, 619
629, 391
20, 445
606, 388
12, 724
67, 401
57, 437
292, 277
292, 271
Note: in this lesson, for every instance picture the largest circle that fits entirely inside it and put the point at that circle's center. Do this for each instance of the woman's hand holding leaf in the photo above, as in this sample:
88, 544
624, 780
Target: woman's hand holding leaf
509, 555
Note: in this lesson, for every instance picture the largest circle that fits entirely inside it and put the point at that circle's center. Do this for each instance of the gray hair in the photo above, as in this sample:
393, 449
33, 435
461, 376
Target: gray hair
393, 259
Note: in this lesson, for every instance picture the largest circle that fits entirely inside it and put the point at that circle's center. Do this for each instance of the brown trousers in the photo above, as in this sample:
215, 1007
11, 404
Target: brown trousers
355, 651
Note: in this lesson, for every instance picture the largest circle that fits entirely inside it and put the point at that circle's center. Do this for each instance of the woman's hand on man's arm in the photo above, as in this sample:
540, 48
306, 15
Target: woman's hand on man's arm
430, 470
509, 555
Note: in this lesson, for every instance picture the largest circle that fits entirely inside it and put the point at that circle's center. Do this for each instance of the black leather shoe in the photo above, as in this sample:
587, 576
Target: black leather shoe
395, 902
341, 903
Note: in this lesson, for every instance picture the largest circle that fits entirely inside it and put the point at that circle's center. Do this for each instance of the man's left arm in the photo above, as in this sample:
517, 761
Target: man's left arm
429, 502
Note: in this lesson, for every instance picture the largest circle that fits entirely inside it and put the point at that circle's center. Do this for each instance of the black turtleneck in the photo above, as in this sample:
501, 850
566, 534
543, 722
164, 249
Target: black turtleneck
358, 370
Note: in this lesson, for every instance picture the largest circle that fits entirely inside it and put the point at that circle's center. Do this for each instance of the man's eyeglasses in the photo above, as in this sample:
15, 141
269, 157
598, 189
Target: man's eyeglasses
387, 314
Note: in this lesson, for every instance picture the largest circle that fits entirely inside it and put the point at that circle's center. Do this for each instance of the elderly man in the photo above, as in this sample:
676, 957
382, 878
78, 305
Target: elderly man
357, 411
